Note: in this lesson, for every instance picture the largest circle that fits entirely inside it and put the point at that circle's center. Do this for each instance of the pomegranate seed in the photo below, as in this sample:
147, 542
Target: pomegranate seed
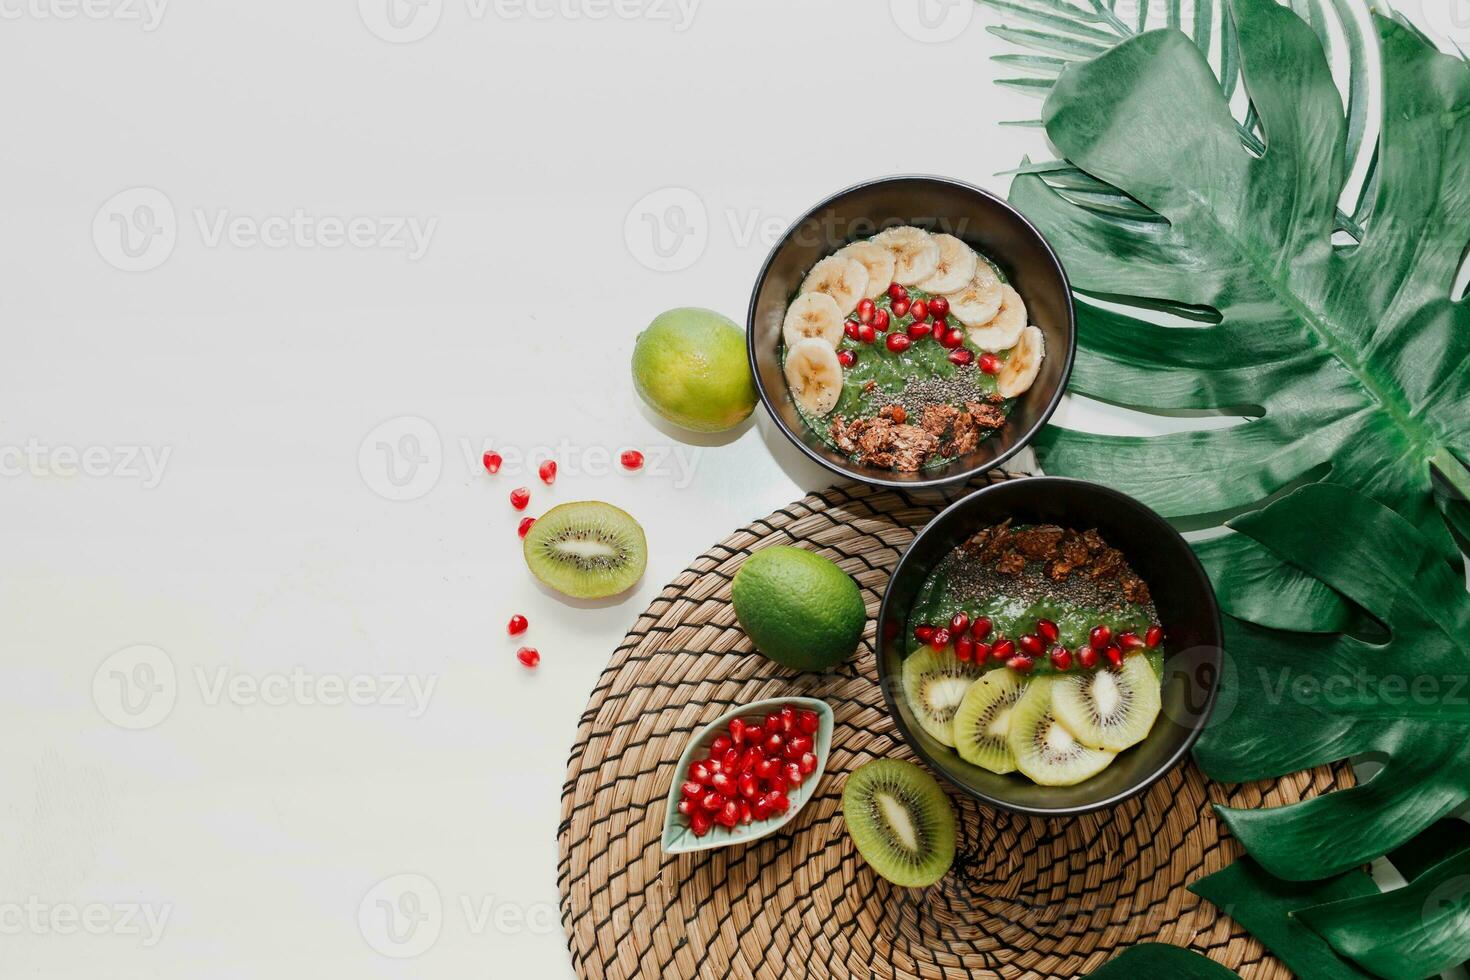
1100, 637
881, 320
918, 331
773, 723
941, 325
762, 809
1021, 664
745, 811
920, 310
751, 759
767, 769
982, 652
964, 648
719, 745
1114, 654
730, 761
846, 358
896, 292
898, 342
517, 625
778, 801
699, 772
686, 807
989, 363
748, 785
737, 731
807, 764
939, 306
1130, 641
798, 746
1048, 630
901, 308
729, 815
865, 310
923, 633
788, 719
1154, 636
520, 497
950, 339
850, 329
959, 623
775, 742
793, 775
691, 790
755, 732
1087, 657
1061, 658
714, 766
980, 629
960, 357
940, 639
808, 722
528, 656
525, 526
492, 462
547, 472
722, 784
866, 333
631, 459
699, 823
1031, 645
1002, 649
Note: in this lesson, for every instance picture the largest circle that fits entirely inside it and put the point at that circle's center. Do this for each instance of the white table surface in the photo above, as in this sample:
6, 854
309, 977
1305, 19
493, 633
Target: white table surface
193, 481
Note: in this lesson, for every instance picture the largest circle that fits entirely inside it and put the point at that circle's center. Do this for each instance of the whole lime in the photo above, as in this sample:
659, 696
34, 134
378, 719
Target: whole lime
690, 366
800, 609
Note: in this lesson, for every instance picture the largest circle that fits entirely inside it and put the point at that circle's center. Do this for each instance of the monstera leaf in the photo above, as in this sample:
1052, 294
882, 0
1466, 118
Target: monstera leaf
1149, 960
1348, 355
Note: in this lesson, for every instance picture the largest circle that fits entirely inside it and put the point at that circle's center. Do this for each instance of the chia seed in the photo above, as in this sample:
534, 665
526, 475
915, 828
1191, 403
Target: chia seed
962, 387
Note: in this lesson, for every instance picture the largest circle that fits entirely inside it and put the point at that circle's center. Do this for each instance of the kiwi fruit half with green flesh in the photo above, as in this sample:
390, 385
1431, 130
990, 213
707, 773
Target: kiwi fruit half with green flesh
983, 720
901, 821
587, 550
934, 683
1109, 709
1046, 753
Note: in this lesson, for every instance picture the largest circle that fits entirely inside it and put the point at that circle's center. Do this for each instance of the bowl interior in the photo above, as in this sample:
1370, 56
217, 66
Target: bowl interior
988, 224
1181, 592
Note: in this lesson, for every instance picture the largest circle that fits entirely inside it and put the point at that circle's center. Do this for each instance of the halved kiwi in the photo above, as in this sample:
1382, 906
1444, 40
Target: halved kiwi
984, 720
935, 682
1046, 753
901, 821
1109, 709
587, 550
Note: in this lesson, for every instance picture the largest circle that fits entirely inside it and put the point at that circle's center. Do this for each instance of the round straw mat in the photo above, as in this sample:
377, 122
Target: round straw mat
1026, 897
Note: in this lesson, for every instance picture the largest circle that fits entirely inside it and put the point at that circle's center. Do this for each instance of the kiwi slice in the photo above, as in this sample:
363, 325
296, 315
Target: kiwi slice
1109, 709
935, 682
901, 821
984, 719
1046, 753
587, 550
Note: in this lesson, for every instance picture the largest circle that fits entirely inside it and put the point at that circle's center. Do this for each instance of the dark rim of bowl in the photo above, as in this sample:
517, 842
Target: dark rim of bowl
1195, 568
851, 472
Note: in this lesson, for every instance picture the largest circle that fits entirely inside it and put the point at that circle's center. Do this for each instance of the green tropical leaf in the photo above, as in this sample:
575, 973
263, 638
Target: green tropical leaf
1350, 362
1149, 960
1401, 692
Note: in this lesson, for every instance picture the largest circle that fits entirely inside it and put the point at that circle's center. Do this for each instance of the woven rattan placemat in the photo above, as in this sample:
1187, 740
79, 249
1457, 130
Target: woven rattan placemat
1026, 897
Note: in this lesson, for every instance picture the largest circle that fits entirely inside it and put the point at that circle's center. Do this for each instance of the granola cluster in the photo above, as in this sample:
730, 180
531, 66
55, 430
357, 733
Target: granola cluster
1062, 551
890, 441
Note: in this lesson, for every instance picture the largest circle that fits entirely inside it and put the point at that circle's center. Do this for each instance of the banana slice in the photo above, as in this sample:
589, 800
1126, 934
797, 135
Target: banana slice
844, 279
813, 315
814, 376
1020, 369
915, 253
957, 265
978, 302
877, 260
1003, 331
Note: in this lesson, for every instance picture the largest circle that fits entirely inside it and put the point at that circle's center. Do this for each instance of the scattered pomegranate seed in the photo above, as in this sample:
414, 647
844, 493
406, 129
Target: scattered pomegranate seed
919, 309
1002, 649
1048, 630
982, 652
989, 363
880, 320
1130, 641
520, 497
1100, 637
525, 527
940, 639
980, 629
941, 325
923, 633
517, 625
547, 472
939, 306
866, 333
528, 656
1087, 657
918, 331
901, 308
1154, 636
850, 328
1021, 664
896, 292
1061, 658
960, 357
898, 342
631, 459
959, 623
950, 339
492, 462
964, 648
865, 310
1114, 654
846, 358
808, 722
1031, 645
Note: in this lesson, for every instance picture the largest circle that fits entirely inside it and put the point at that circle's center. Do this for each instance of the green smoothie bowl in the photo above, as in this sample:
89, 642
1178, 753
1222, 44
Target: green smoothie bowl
1050, 646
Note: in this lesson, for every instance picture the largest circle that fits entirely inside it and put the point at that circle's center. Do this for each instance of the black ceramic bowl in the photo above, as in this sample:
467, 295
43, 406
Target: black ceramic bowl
983, 220
1181, 592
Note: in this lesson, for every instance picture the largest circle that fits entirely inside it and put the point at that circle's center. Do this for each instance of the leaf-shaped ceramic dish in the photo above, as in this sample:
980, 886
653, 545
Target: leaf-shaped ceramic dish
679, 839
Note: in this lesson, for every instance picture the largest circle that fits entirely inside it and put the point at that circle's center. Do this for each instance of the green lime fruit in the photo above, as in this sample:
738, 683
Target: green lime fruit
800, 609
690, 365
